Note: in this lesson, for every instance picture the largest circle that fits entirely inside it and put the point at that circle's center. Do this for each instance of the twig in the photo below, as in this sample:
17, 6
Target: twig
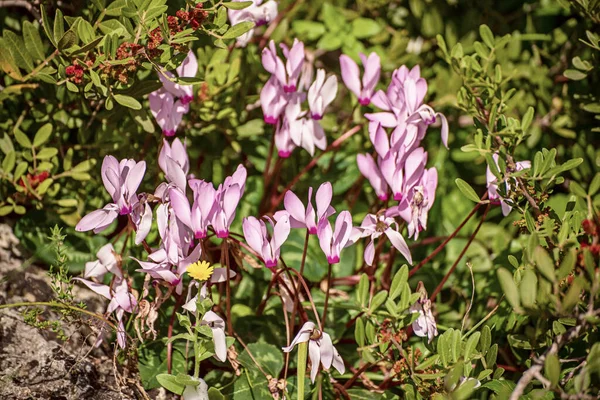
312, 164
23, 4
445, 242
460, 256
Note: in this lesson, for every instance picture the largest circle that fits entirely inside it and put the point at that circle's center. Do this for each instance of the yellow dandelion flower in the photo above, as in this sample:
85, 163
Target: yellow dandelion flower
200, 271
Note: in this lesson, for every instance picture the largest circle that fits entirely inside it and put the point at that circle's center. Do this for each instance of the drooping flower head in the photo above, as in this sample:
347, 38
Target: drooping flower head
320, 349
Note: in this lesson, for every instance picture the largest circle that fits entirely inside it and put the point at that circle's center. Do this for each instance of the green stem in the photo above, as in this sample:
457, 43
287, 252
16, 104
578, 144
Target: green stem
302, 354
59, 305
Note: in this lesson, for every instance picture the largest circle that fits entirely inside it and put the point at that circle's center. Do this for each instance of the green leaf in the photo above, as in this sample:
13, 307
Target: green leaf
5, 210
487, 35
170, 383
238, 30
398, 282
46, 25
20, 170
552, 369
594, 185
363, 28
576, 189
308, 30
467, 190
471, 345
59, 26
91, 45
528, 288
237, 5
492, 354
46, 153
33, 41
266, 355
9, 162
486, 339
509, 287
22, 139
574, 74
378, 300
527, 118
67, 40
215, 394
17, 49
359, 332
362, 291
330, 41
42, 135
128, 101
544, 263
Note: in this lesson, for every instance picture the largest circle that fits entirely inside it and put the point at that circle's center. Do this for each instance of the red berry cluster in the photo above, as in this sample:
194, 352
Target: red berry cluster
187, 19
34, 180
591, 228
75, 73
134, 52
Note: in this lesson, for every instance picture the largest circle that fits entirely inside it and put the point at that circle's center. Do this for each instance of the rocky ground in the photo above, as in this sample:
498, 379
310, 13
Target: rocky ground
35, 364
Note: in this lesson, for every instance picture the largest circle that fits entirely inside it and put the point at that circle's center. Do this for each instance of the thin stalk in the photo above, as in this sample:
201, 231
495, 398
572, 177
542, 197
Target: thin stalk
302, 354
445, 242
460, 256
297, 298
327, 295
313, 163
227, 289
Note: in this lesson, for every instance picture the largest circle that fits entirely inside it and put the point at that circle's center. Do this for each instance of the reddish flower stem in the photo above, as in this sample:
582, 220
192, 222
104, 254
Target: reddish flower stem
439, 287
277, 200
170, 332
445, 242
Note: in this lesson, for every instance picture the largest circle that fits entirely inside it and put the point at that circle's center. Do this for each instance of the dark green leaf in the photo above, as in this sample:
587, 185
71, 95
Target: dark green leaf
128, 101
467, 190
33, 41
238, 30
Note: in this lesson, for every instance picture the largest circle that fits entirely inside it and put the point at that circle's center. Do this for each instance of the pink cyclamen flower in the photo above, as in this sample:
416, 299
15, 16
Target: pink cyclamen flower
227, 197
492, 184
283, 140
187, 69
121, 301
167, 111
377, 225
370, 170
333, 241
258, 12
304, 132
320, 349
196, 392
106, 262
255, 232
217, 326
199, 215
121, 180
301, 217
351, 76
169, 103
424, 325
272, 101
321, 93
287, 74
174, 162
415, 207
